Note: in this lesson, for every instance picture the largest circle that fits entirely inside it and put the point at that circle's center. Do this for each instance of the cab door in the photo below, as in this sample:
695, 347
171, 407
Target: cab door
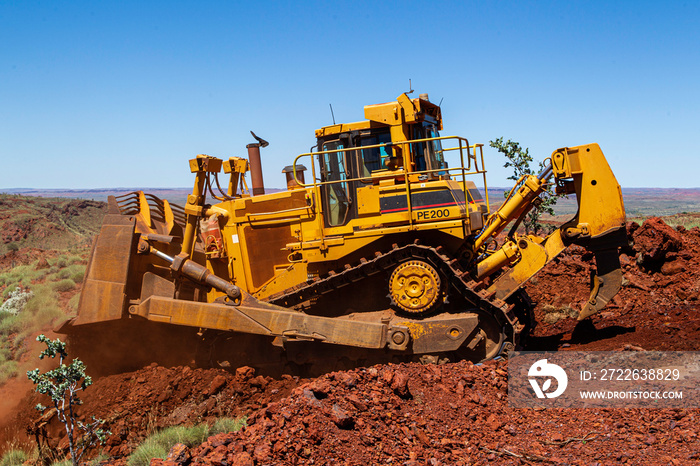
335, 194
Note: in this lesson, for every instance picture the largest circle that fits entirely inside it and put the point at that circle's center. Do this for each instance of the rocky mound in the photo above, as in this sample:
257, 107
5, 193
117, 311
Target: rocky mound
656, 309
450, 414
454, 414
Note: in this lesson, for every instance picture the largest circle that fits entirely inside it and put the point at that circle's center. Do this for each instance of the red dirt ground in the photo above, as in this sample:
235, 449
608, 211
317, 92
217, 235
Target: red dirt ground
450, 414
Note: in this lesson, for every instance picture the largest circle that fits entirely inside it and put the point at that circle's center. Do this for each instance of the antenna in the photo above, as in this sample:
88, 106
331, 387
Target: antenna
440, 104
332, 115
410, 87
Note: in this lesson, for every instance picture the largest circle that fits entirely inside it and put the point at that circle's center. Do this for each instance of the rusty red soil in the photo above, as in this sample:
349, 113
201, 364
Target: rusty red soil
455, 413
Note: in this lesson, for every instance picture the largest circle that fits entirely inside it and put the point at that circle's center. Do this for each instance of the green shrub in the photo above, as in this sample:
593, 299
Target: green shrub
8, 369
14, 457
64, 285
158, 445
13, 246
10, 288
43, 307
78, 277
73, 303
10, 324
98, 459
22, 275
143, 455
62, 463
62, 385
226, 425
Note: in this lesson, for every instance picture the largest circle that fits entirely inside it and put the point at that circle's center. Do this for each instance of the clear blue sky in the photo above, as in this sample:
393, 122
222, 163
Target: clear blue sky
122, 94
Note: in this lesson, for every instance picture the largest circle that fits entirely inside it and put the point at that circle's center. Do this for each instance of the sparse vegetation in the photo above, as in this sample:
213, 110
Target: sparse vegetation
30, 303
14, 457
64, 285
227, 424
62, 385
48, 223
15, 302
519, 160
686, 220
553, 314
159, 444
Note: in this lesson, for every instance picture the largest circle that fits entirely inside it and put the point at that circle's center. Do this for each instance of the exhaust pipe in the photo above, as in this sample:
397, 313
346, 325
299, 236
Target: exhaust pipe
289, 174
256, 175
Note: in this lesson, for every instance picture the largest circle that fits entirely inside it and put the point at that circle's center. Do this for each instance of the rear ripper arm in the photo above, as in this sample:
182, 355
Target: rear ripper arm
599, 225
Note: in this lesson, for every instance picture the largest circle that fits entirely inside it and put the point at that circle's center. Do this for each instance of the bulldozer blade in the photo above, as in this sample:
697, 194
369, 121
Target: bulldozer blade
606, 283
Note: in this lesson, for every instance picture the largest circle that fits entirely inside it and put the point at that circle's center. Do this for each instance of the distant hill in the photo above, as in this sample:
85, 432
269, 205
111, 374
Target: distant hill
48, 223
175, 195
639, 202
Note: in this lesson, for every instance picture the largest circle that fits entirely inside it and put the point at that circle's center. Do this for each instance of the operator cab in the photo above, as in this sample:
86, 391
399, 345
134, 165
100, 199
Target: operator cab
397, 138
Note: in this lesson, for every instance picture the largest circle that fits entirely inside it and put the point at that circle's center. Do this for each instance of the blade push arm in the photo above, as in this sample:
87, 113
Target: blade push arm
599, 225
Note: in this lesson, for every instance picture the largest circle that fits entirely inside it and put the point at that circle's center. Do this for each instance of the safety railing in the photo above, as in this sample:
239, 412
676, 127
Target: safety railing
474, 166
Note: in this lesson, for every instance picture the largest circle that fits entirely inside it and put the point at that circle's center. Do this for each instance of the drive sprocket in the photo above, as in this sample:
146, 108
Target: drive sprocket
415, 286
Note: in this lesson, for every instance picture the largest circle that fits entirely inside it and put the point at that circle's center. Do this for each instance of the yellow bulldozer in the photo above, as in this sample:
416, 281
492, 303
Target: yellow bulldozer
386, 250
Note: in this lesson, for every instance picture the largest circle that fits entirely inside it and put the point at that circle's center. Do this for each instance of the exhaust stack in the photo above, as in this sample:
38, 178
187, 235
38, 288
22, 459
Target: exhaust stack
289, 174
256, 175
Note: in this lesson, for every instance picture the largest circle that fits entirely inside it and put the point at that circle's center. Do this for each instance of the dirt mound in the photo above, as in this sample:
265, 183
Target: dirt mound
655, 242
656, 309
452, 414
136, 404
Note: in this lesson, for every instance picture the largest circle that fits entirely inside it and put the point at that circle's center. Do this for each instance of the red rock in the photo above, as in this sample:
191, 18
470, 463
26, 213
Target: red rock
672, 268
244, 373
349, 379
321, 388
341, 417
258, 381
400, 385
216, 385
218, 456
420, 435
387, 376
493, 422
220, 439
654, 240
242, 459
262, 452
179, 454
355, 400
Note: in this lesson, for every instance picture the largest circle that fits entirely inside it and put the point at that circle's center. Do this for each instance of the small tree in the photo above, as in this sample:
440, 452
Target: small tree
520, 160
62, 385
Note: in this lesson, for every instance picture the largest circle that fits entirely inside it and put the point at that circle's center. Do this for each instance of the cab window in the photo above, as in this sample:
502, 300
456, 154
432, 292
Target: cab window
374, 158
335, 195
436, 156
428, 155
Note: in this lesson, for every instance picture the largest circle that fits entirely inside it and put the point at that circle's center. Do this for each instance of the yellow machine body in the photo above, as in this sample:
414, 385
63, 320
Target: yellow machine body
386, 247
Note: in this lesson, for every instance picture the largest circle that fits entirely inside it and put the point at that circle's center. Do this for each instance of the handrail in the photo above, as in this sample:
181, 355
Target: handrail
462, 146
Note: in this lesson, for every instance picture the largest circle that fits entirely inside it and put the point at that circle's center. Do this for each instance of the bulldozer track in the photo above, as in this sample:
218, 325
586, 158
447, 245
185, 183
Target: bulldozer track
448, 267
